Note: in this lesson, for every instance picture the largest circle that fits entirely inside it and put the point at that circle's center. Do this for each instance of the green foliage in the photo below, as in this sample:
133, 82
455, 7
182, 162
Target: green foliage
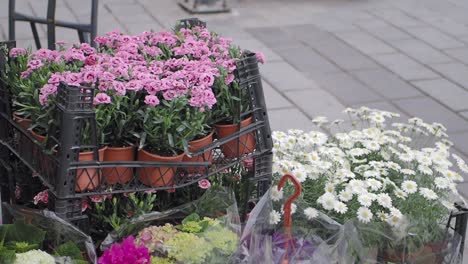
222, 240
7, 256
69, 249
189, 248
157, 260
168, 127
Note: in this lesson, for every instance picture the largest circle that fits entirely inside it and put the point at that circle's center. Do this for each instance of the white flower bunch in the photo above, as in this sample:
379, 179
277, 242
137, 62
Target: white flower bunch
34, 257
377, 172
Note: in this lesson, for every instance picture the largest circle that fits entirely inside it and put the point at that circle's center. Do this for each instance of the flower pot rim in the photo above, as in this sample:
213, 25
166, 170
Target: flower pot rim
120, 148
243, 122
160, 156
203, 138
91, 152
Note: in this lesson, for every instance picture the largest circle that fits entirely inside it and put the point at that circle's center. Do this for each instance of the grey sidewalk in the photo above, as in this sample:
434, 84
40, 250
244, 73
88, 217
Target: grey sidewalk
407, 56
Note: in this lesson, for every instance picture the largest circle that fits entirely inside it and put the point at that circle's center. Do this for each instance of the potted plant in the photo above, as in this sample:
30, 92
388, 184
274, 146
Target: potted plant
397, 181
167, 127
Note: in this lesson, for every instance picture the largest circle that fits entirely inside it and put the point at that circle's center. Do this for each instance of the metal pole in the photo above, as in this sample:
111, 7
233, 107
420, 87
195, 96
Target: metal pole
51, 24
11, 19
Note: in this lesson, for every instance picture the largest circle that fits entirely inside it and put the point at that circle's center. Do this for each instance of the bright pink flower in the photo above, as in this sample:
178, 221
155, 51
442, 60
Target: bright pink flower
204, 184
126, 252
55, 78
260, 57
26, 73
119, 87
42, 197
229, 79
102, 98
85, 204
89, 77
35, 64
91, 59
15, 52
87, 49
151, 100
73, 79
41, 54
100, 198
134, 85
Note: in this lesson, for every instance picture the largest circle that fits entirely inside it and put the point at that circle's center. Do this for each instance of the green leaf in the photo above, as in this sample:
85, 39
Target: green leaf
192, 217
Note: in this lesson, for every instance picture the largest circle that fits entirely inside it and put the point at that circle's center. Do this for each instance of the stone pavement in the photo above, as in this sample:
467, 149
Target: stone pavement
407, 56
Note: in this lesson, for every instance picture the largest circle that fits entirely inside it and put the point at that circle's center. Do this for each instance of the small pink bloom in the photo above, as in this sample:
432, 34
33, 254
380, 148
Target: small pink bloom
26, 73
42, 197
204, 184
229, 79
91, 59
15, 52
89, 77
35, 64
73, 79
55, 78
248, 163
151, 100
102, 98
85, 205
100, 198
119, 87
260, 57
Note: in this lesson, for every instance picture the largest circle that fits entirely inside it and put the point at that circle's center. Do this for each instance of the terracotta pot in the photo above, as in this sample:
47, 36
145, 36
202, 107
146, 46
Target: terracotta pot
205, 156
157, 176
22, 122
118, 174
88, 179
39, 138
245, 144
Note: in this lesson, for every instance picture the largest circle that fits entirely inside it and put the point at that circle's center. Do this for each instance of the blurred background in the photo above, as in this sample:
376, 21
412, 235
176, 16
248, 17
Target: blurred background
406, 56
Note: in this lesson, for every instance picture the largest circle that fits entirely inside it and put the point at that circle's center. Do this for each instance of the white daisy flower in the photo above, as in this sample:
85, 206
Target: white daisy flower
400, 194
371, 173
329, 187
276, 195
394, 166
365, 200
371, 145
320, 120
424, 159
345, 196
448, 205
408, 172
275, 217
384, 200
406, 157
327, 200
340, 208
382, 216
356, 134
364, 215
311, 213
374, 184
425, 169
409, 186
377, 118
441, 183
428, 193
300, 174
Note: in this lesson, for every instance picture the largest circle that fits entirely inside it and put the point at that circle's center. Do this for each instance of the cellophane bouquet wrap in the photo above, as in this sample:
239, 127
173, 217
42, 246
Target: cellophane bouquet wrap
39, 236
203, 231
390, 185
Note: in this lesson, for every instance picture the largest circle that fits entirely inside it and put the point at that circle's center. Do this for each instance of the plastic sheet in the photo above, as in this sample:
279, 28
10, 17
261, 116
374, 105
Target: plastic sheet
217, 203
58, 231
323, 240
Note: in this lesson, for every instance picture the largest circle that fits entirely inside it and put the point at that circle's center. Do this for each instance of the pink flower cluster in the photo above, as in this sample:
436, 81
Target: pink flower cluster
42, 197
162, 66
126, 252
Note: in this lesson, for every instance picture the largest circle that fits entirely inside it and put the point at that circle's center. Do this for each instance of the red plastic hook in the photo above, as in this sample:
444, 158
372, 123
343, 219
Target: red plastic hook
287, 212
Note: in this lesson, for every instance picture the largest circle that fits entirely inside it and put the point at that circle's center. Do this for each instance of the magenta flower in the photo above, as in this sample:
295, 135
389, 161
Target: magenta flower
260, 57
42, 197
204, 184
102, 98
151, 100
85, 205
15, 52
126, 252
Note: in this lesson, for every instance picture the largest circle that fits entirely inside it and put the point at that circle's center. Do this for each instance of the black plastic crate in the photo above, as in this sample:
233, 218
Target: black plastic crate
56, 161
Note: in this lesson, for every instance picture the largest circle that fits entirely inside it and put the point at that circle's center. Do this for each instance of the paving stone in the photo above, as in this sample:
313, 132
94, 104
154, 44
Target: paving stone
421, 51
137, 28
432, 111
386, 83
382, 30
273, 98
334, 49
456, 72
434, 37
122, 11
460, 141
305, 59
280, 120
347, 89
447, 25
331, 23
284, 77
404, 66
459, 54
274, 37
446, 92
396, 17
317, 103
255, 45
365, 42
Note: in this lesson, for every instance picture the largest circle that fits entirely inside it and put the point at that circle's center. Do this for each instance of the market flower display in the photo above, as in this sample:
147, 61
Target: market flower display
34, 257
125, 252
396, 176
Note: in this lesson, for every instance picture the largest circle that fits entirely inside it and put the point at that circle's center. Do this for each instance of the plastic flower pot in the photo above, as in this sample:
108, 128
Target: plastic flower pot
22, 122
89, 178
244, 144
39, 138
194, 146
118, 174
157, 176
